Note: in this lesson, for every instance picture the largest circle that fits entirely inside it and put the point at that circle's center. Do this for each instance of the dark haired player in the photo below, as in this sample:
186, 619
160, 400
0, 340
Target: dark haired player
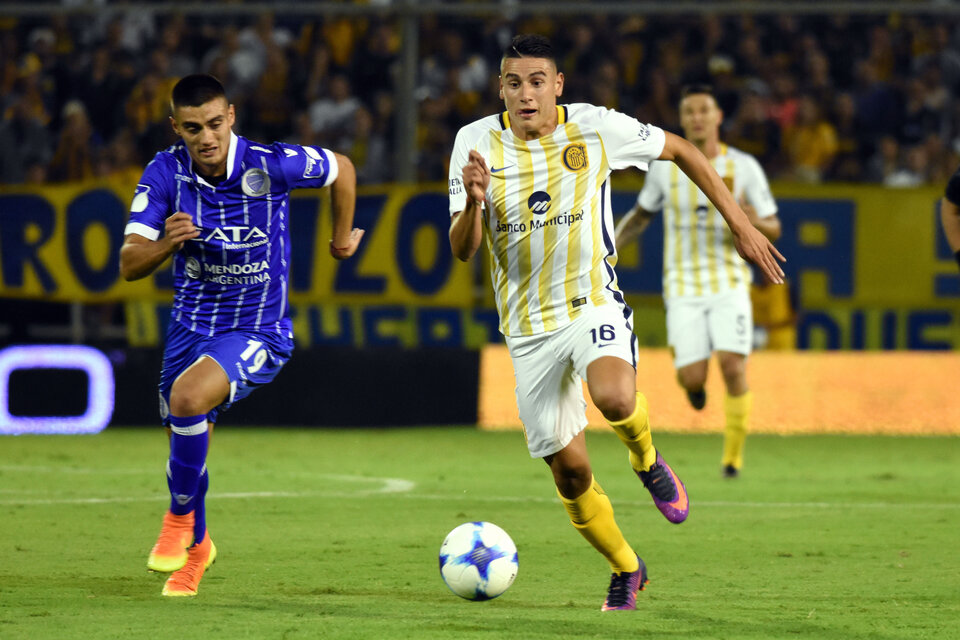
706, 284
532, 181
219, 204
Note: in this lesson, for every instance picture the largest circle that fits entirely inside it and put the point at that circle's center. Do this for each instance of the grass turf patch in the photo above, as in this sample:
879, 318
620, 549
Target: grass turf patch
335, 534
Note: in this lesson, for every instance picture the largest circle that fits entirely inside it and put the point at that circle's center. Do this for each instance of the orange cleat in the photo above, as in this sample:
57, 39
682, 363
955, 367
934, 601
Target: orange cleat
170, 552
186, 581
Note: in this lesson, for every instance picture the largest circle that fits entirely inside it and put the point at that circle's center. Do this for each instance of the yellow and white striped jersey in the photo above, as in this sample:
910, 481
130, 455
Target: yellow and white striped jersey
547, 217
699, 257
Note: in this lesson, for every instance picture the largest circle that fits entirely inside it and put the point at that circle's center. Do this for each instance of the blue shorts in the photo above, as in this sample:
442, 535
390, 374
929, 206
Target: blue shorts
249, 358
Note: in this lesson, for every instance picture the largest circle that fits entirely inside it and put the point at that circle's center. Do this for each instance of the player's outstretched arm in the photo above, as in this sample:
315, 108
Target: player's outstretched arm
466, 232
634, 223
343, 200
139, 256
751, 244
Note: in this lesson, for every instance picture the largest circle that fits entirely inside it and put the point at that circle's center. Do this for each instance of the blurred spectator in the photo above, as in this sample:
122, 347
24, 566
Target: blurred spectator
659, 107
368, 149
148, 107
912, 172
9, 54
811, 143
919, 118
104, 85
271, 103
885, 161
751, 129
724, 83
454, 69
237, 62
180, 61
869, 76
603, 85
941, 160
73, 159
848, 163
878, 104
784, 102
331, 115
374, 65
25, 145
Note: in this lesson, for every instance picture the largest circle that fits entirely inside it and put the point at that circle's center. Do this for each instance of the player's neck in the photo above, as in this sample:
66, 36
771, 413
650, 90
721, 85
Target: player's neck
709, 148
214, 176
534, 134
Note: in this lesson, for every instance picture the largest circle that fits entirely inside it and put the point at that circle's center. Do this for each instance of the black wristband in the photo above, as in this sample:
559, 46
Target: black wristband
957, 256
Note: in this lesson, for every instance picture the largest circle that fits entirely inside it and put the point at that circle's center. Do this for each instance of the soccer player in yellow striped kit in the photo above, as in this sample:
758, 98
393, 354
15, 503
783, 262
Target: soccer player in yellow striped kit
533, 182
706, 285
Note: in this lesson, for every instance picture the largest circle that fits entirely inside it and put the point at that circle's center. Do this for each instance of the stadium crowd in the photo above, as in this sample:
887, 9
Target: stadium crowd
814, 98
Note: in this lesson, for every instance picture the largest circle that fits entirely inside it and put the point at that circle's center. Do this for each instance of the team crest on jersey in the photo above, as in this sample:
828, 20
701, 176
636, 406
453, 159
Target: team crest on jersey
575, 156
314, 167
192, 267
255, 182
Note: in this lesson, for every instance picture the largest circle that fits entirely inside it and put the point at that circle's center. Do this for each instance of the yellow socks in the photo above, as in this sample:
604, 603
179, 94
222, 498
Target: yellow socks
737, 409
634, 431
592, 515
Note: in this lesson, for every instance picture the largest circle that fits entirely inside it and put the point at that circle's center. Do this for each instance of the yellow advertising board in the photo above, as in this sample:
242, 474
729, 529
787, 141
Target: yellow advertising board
868, 267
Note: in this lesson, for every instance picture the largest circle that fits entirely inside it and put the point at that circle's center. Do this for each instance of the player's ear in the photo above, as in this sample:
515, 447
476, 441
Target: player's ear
176, 127
500, 80
559, 91
231, 115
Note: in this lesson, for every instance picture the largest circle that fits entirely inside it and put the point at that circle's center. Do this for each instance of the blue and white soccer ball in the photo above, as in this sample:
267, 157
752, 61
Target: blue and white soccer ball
478, 561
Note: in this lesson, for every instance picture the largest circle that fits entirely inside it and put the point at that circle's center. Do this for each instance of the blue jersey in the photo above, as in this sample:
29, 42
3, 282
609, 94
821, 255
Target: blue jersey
235, 275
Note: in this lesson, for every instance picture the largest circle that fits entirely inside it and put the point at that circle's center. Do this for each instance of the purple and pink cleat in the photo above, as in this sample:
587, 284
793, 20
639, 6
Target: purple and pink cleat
667, 491
622, 595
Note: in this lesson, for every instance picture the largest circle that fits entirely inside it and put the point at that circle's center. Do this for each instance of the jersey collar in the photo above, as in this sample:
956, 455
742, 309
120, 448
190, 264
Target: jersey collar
561, 117
231, 160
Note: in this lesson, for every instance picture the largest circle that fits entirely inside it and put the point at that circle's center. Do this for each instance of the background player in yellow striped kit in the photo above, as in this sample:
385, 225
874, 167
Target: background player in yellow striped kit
706, 284
533, 182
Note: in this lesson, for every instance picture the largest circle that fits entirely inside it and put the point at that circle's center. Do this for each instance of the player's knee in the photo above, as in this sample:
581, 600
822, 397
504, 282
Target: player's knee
572, 481
614, 403
733, 368
185, 401
691, 380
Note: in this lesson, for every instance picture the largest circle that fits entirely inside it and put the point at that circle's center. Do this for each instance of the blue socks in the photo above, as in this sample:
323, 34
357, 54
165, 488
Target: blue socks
200, 507
186, 469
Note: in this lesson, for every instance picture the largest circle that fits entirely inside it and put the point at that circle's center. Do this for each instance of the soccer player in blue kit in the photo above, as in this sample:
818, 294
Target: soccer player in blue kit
218, 203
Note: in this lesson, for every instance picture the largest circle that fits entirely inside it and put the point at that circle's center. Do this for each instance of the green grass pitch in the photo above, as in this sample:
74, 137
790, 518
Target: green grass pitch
335, 534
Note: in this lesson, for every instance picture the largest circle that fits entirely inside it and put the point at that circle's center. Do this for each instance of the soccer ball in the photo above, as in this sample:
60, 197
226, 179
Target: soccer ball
478, 561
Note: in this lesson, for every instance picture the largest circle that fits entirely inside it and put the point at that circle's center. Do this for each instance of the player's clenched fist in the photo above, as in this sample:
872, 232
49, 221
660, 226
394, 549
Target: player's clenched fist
476, 177
179, 228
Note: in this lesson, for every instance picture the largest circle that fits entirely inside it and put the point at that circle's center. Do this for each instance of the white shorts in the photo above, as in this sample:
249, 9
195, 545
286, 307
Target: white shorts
550, 367
698, 326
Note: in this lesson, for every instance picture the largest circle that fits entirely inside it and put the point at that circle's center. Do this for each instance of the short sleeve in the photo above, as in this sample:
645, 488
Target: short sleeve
458, 160
306, 167
757, 189
650, 197
628, 142
151, 207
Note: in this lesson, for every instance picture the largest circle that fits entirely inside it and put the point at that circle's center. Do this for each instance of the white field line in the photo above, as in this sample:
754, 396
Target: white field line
393, 488
399, 488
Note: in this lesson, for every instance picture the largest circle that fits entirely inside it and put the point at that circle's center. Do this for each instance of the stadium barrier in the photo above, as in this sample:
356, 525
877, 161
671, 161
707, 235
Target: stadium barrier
890, 393
319, 387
